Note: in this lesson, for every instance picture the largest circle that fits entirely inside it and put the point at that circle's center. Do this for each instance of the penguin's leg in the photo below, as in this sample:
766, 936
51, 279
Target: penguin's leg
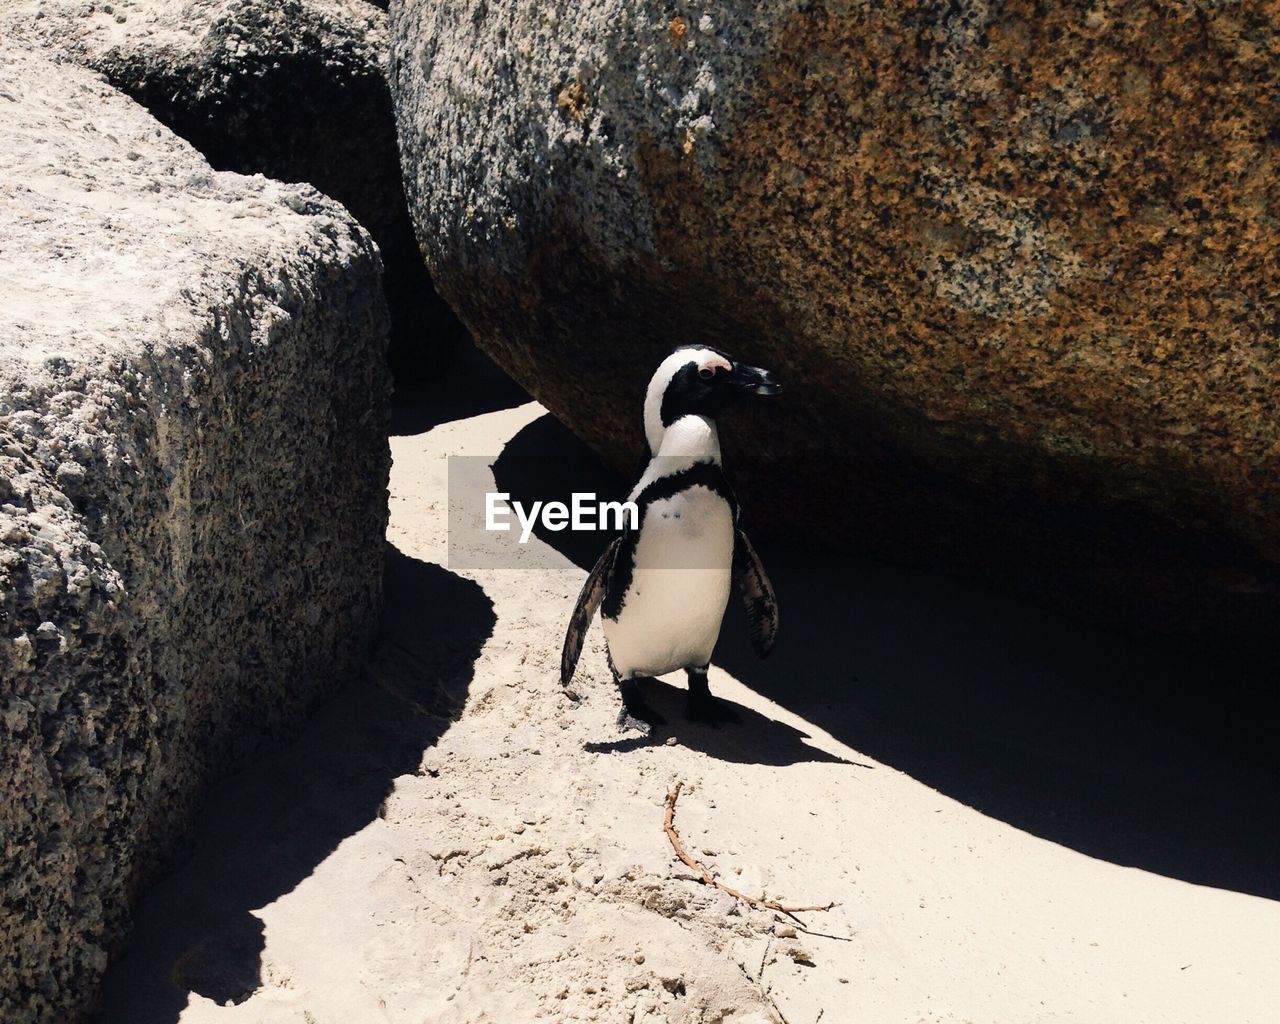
701, 706
635, 715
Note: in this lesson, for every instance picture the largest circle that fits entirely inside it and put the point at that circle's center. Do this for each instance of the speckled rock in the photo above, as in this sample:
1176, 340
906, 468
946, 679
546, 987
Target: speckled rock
193, 469
1020, 267
293, 89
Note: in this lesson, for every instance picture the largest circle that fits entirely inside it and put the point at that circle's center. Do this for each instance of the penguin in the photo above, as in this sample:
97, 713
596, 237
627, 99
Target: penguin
662, 588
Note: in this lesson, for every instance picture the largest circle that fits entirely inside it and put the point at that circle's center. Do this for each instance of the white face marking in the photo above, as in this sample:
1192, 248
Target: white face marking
704, 358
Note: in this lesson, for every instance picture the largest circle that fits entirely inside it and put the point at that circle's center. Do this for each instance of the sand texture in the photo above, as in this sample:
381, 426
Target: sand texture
456, 839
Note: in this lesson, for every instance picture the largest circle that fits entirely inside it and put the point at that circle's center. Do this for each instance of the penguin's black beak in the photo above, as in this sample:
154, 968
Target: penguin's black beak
756, 381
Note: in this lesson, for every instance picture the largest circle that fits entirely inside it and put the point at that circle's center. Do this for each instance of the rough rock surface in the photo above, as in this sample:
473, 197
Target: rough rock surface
193, 469
293, 89
1019, 268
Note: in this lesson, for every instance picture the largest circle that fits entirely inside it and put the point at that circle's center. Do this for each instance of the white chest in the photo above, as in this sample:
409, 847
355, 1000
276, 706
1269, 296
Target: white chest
690, 530
679, 587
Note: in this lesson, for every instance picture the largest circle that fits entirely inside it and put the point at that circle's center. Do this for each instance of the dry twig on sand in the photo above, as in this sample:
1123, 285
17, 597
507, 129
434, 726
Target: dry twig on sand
705, 877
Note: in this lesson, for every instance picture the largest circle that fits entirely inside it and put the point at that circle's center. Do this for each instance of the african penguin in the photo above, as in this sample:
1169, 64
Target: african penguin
662, 588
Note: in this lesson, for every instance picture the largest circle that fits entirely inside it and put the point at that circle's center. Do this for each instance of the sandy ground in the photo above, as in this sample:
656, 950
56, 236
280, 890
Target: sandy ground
455, 839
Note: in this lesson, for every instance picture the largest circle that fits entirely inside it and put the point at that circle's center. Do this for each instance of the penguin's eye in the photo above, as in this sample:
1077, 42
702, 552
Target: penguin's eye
706, 373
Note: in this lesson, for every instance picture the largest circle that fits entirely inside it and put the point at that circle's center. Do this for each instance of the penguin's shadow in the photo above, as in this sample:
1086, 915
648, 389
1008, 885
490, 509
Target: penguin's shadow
1057, 727
748, 738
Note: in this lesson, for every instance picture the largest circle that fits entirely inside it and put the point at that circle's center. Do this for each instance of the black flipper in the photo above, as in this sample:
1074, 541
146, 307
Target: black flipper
757, 595
589, 599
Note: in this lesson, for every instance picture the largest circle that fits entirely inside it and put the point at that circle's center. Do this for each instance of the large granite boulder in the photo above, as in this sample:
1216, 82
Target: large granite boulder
193, 471
293, 89
1018, 266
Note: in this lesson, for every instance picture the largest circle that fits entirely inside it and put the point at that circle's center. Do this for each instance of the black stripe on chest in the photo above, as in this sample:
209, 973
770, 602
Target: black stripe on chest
700, 474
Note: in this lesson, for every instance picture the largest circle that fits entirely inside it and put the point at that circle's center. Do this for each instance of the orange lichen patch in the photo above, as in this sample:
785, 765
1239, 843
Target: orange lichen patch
573, 100
1059, 233
1052, 152
677, 30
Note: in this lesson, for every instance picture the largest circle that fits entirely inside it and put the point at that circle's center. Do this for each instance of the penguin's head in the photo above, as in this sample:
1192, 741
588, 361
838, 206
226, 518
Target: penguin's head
696, 380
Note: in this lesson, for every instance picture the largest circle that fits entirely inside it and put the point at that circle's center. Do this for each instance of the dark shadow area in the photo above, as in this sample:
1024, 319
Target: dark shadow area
1058, 727
1061, 729
474, 384
265, 829
750, 739
546, 462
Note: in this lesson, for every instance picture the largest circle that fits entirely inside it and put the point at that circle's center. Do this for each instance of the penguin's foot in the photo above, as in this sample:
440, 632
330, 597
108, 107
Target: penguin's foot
636, 715
701, 706
627, 722
704, 708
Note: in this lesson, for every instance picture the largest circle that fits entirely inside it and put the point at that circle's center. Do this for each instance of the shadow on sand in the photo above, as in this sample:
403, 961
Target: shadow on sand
265, 829
749, 738
1059, 728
